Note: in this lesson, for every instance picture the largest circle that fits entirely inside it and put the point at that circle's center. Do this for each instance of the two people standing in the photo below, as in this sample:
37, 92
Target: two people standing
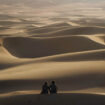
52, 89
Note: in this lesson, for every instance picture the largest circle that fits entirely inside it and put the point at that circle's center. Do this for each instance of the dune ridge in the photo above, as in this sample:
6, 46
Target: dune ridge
70, 31
49, 28
98, 38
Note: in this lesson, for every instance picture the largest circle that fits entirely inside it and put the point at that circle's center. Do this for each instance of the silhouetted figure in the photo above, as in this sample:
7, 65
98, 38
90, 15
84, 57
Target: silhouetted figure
45, 88
53, 88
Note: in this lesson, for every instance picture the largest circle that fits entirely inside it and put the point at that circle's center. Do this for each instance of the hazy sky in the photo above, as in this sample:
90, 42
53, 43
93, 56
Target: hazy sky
43, 10
45, 1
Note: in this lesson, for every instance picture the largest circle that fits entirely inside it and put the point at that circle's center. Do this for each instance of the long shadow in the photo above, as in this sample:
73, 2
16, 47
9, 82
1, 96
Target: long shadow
60, 99
65, 83
41, 44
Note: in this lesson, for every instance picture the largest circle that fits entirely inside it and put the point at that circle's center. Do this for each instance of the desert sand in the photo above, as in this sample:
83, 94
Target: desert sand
59, 43
62, 99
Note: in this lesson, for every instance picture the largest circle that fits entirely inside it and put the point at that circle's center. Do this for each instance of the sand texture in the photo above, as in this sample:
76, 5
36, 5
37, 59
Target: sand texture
56, 42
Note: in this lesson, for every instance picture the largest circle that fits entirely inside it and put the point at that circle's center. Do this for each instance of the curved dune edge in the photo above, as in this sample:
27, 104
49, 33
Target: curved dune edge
23, 47
98, 38
11, 61
7, 60
79, 56
54, 69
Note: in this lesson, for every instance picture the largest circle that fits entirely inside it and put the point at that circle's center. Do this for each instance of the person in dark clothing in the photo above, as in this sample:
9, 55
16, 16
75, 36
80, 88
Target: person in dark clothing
45, 88
53, 88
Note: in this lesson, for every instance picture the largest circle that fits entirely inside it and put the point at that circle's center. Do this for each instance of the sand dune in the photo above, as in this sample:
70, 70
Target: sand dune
65, 59
40, 47
62, 99
79, 75
80, 56
98, 38
57, 25
53, 43
49, 28
91, 22
7, 60
73, 31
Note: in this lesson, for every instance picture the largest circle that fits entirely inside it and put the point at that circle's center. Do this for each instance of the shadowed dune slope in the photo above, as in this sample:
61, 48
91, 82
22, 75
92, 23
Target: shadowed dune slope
40, 47
74, 31
69, 76
7, 60
80, 81
60, 99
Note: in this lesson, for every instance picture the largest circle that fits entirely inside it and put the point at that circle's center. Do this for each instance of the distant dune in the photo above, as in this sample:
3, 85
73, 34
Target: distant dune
72, 31
49, 28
